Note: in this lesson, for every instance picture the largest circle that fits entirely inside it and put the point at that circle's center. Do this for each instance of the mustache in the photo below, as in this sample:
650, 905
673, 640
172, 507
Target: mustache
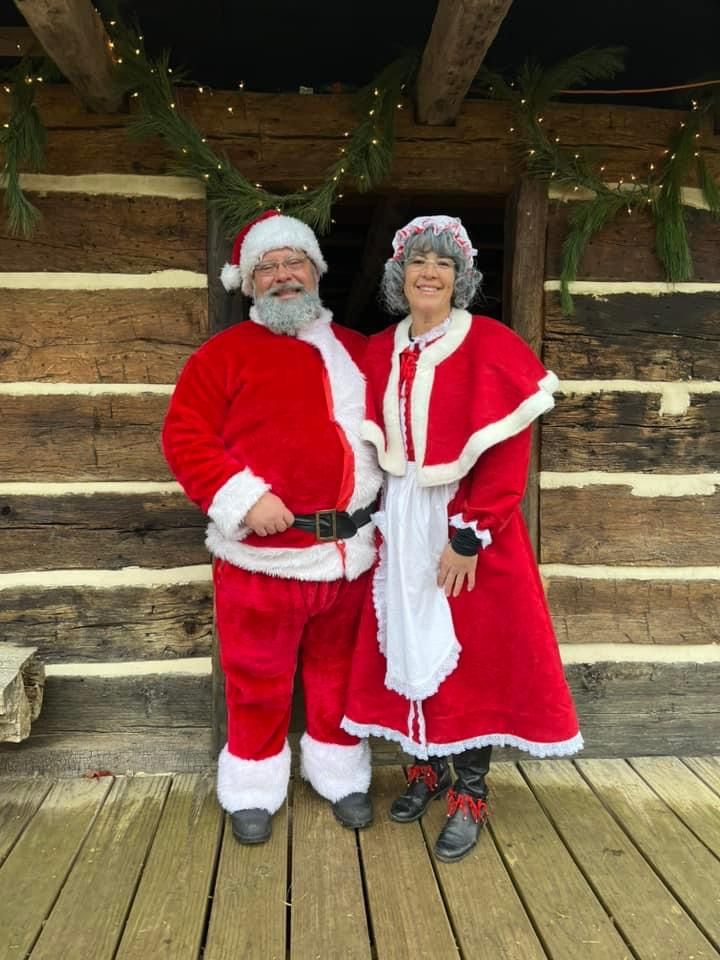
286, 287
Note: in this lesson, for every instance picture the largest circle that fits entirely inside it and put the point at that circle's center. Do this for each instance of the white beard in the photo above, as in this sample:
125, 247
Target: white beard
288, 317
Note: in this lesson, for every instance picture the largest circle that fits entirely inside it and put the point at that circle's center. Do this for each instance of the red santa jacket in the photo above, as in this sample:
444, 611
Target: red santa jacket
475, 387
255, 411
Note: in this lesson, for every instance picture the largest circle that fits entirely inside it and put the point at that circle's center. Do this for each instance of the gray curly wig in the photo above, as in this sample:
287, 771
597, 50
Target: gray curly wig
467, 278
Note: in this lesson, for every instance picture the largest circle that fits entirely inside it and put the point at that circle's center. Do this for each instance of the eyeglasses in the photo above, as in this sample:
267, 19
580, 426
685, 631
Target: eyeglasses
268, 267
440, 263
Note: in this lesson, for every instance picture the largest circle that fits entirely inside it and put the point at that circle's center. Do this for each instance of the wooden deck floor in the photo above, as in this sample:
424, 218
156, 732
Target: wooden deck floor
585, 860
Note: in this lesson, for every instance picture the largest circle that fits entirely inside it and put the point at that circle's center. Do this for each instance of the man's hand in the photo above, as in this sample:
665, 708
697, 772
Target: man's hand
269, 515
454, 571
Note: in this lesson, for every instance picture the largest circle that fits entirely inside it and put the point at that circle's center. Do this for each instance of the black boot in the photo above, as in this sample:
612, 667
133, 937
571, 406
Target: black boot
426, 781
251, 826
467, 809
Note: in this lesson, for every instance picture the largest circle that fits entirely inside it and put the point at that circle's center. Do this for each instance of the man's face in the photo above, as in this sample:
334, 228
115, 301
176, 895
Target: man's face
284, 273
286, 296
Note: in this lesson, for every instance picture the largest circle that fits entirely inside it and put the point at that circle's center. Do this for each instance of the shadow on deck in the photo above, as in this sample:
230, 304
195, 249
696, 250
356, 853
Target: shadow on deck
584, 860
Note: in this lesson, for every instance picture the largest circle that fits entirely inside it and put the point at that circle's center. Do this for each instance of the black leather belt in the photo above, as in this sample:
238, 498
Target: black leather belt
333, 524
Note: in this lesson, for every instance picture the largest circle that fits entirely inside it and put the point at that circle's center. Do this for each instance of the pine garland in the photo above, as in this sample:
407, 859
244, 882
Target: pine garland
365, 160
22, 141
660, 197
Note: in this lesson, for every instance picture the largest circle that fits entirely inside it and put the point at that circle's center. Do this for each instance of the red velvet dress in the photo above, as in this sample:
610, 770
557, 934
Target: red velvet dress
471, 398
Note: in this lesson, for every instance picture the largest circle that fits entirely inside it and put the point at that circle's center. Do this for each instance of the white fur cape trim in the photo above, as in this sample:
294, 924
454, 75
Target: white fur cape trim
274, 233
253, 784
391, 447
233, 500
335, 770
561, 748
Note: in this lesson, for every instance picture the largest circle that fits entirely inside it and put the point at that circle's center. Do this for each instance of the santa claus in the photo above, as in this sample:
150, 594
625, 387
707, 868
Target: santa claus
263, 434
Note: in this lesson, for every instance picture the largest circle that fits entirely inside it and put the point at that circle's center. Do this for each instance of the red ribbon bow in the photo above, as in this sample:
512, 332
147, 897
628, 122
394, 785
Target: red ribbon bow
425, 773
477, 809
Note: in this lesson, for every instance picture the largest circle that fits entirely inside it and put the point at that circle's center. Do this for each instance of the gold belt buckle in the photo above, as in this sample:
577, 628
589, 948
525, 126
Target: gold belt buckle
333, 524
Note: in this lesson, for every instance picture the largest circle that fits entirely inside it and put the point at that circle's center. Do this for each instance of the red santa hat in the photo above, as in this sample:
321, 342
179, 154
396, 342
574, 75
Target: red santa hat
270, 231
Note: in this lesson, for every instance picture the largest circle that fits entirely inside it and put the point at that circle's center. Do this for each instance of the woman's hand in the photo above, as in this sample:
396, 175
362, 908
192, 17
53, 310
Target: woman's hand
454, 571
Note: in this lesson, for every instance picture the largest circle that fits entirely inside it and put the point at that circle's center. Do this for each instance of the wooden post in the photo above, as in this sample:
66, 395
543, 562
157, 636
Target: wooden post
525, 230
223, 311
22, 679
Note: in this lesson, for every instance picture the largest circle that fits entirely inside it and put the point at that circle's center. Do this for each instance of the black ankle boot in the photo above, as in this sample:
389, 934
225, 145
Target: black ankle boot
427, 781
467, 809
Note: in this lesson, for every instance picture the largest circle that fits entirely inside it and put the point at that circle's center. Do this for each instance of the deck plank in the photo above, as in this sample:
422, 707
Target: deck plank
708, 769
644, 910
250, 899
406, 909
685, 864
36, 868
19, 799
489, 924
328, 910
565, 912
168, 916
697, 805
88, 917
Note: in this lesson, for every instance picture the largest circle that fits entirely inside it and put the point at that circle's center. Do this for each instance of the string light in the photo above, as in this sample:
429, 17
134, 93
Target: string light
230, 109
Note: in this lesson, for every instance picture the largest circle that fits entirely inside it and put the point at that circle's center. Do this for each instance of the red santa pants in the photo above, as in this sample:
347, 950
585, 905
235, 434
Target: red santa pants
266, 625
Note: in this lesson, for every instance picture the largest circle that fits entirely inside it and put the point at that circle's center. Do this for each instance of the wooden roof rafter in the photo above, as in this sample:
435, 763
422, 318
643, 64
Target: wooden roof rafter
74, 37
461, 34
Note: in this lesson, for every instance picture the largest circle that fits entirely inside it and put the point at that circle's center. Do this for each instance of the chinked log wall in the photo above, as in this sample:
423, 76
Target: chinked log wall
102, 565
630, 481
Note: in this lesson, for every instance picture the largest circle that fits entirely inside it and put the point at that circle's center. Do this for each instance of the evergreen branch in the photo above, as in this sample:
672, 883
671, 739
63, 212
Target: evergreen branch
671, 237
539, 86
586, 219
22, 141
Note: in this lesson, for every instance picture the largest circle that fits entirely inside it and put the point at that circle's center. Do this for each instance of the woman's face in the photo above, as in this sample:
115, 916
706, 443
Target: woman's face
429, 282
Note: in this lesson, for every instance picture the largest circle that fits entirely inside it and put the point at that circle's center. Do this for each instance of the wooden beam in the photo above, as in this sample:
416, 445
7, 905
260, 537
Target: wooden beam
16, 41
22, 678
460, 37
74, 37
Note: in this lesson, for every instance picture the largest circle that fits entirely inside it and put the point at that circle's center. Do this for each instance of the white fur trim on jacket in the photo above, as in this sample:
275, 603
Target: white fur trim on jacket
233, 500
253, 784
321, 561
274, 233
334, 770
347, 386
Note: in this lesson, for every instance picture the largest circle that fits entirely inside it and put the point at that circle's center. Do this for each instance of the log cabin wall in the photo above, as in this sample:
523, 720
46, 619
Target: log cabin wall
630, 475
102, 564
